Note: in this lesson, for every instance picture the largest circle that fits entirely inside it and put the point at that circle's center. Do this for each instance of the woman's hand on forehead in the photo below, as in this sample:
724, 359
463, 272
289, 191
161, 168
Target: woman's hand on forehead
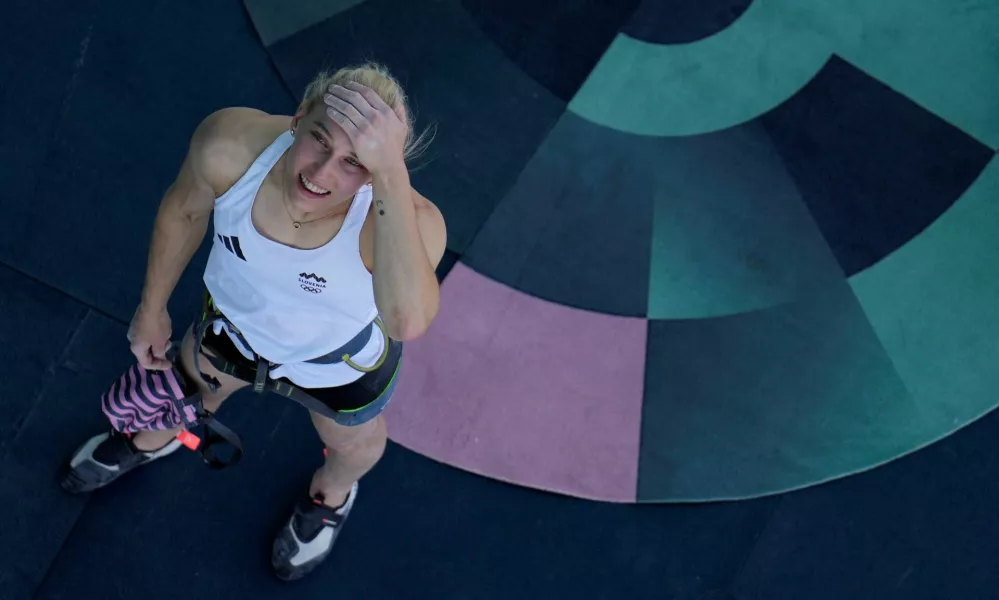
377, 131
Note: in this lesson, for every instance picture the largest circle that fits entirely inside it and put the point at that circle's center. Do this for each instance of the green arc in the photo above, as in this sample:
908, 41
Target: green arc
924, 51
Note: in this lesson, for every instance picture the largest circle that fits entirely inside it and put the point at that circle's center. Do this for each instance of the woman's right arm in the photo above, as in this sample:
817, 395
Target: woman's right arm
180, 227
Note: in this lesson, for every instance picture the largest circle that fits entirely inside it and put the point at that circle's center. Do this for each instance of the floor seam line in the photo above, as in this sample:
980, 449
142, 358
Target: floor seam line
62, 546
742, 567
64, 293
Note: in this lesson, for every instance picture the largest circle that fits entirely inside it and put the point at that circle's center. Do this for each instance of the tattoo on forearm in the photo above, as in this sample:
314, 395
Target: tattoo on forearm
381, 207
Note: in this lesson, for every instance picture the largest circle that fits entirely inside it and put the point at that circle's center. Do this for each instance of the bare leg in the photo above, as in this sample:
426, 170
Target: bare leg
153, 440
351, 452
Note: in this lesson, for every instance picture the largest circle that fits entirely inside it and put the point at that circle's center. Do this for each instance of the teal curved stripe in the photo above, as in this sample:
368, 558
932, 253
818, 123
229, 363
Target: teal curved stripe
942, 54
939, 53
934, 304
762, 59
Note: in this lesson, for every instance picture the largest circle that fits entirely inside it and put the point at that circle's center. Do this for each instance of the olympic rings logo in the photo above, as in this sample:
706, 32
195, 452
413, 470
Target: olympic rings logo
309, 288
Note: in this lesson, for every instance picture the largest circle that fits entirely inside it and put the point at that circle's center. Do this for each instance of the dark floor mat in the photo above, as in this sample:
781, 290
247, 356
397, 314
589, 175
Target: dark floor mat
38, 516
15, 586
419, 530
38, 86
36, 323
922, 528
130, 92
557, 42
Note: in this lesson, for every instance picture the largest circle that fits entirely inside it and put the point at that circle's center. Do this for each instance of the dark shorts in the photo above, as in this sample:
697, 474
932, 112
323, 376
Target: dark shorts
352, 404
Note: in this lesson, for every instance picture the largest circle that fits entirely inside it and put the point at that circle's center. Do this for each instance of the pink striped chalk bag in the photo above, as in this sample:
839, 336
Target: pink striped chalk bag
142, 400
148, 400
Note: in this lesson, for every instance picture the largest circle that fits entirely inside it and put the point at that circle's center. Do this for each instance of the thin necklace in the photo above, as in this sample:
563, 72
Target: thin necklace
298, 224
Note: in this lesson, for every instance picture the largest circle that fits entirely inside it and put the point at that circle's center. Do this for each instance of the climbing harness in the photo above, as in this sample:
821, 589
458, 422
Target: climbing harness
158, 400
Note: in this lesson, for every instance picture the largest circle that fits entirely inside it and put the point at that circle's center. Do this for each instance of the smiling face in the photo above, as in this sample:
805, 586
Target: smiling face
321, 170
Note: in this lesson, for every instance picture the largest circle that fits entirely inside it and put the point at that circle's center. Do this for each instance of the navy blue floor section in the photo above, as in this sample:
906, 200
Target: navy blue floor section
925, 526
38, 516
873, 167
419, 530
557, 42
36, 323
107, 95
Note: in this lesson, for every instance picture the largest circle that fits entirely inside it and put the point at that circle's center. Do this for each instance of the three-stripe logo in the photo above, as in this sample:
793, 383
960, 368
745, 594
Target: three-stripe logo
232, 244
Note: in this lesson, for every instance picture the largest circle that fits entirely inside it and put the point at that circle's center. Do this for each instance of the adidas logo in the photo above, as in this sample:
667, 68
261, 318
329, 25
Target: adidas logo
232, 244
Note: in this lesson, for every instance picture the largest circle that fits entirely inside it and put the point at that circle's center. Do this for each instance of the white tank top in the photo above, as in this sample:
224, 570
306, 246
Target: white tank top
291, 304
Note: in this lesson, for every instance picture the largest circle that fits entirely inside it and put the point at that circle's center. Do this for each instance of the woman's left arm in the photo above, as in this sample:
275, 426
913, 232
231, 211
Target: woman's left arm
410, 235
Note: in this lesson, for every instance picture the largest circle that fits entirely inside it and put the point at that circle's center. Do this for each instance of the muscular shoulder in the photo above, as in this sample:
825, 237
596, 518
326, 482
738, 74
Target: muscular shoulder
432, 228
227, 142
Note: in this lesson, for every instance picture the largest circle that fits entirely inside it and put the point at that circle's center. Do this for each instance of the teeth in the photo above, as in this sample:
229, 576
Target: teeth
315, 189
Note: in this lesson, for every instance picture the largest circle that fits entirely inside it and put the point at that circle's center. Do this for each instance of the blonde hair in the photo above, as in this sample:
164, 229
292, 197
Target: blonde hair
377, 77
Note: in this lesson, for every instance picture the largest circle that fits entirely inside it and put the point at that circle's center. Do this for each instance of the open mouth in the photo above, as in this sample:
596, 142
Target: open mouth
311, 188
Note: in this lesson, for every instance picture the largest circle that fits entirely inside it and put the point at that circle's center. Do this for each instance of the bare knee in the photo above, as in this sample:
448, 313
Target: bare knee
366, 437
